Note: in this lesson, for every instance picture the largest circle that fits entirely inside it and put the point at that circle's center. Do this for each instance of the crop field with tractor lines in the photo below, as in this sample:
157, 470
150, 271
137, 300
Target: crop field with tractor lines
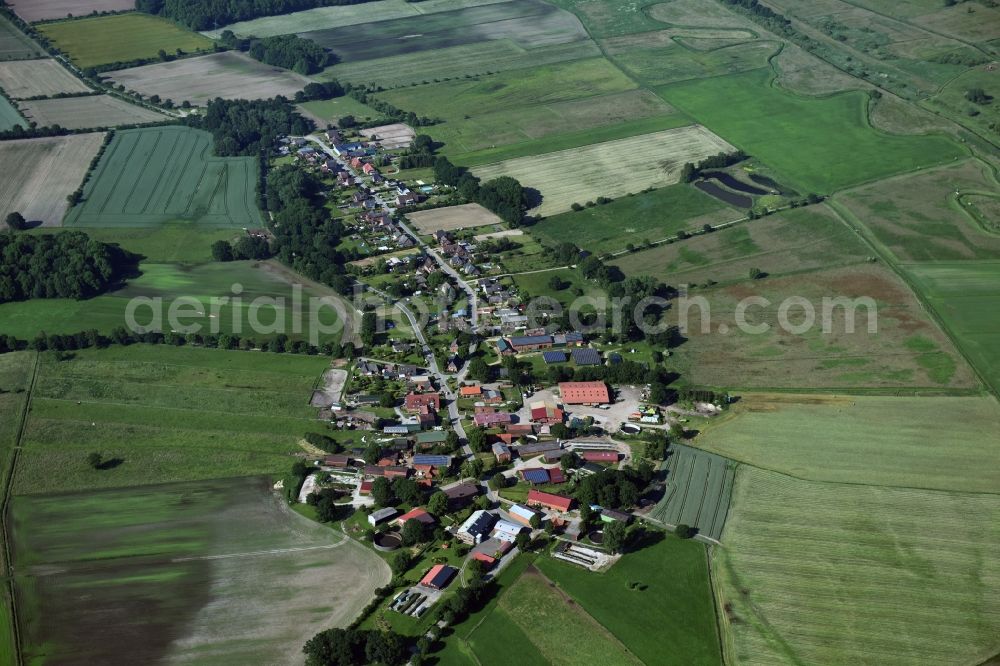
88, 112
34, 78
697, 490
161, 174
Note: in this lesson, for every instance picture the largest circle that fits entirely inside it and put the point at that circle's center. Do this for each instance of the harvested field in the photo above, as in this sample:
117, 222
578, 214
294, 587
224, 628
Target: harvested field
198, 80
455, 62
528, 23
823, 573
396, 135
221, 570
936, 443
339, 16
88, 112
908, 351
609, 169
452, 218
33, 78
49, 170
15, 45
506, 233
155, 175
697, 492
815, 144
41, 10
103, 40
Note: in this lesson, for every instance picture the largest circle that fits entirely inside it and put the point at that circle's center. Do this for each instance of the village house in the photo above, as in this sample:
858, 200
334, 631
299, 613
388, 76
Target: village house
476, 528
522, 514
549, 500
502, 452
381, 515
418, 514
439, 576
407, 199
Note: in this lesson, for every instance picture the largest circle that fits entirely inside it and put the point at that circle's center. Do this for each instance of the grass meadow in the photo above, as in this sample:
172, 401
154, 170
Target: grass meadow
169, 283
103, 40
646, 216
150, 176
168, 414
330, 110
844, 573
217, 571
10, 116
656, 59
935, 443
816, 144
669, 619
169, 243
561, 631
611, 169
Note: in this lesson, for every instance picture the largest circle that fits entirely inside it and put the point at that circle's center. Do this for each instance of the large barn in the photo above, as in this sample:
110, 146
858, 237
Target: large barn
584, 393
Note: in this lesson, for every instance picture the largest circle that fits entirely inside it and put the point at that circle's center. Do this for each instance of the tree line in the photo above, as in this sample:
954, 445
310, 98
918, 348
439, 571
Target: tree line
504, 196
66, 265
303, 56
209, 14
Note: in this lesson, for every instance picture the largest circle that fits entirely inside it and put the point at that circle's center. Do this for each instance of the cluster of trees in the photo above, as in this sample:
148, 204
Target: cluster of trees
327, 508
615, 488
306, 237
245, 247
762, 14
397, 491
316, 90
504, 195
978, 96
303, 56
209, 14
249, 127
420, 153
355, 647
691, 171
322, 442
66, 265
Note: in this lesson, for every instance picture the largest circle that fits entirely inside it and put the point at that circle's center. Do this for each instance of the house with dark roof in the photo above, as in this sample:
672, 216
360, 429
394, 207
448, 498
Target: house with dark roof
476, 528
417, 514
439, 576
535, 475
461, 494
502, 452
525, 343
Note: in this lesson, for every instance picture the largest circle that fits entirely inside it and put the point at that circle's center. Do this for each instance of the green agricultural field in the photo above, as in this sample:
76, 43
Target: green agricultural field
169, 414
527, 23
178, 573
267, 308
328, 111
669, 620
532, 104
942, 443
965, 296
656, 59
697, 492
788, 242
824, 573
454, 62
647, 216
15, 45
605, 18
150, 176
815, 144
169, 243
906, 350
103, 40
10, 116
562, 632
917, 217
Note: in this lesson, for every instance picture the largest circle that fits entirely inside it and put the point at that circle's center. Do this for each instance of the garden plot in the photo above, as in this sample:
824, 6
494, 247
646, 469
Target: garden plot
49, 169
452, 218
88, 112
36, 78
228, 75
391, 137
610, 169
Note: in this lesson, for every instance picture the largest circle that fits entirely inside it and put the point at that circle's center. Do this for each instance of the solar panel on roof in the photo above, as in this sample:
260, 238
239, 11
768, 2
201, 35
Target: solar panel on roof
536, 475
437, 461
554, 357
586, 357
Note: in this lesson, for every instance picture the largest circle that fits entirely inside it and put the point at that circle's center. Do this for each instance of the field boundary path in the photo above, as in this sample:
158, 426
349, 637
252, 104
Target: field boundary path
8, 564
